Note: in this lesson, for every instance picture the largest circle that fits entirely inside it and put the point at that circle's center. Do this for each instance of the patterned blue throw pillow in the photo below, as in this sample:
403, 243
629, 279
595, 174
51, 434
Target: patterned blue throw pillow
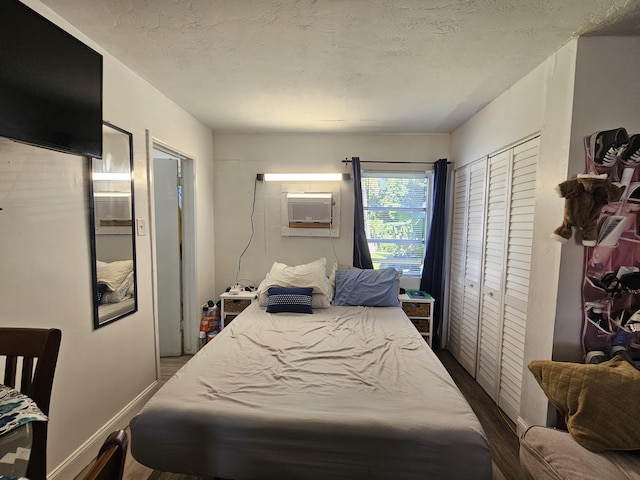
17, 409
297, 300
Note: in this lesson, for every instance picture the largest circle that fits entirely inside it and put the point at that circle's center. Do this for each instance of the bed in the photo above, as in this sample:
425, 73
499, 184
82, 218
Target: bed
348, 392
115, 288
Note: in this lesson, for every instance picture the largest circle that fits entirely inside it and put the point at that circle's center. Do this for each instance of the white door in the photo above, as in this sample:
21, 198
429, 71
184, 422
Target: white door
491, 309
467, 251
167, 248
458, 253
518, 269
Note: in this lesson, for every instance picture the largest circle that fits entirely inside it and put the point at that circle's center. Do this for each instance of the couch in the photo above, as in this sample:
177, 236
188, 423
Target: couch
548, 453
600, 405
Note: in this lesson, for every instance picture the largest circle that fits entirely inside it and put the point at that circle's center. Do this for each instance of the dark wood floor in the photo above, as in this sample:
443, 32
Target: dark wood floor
500, 430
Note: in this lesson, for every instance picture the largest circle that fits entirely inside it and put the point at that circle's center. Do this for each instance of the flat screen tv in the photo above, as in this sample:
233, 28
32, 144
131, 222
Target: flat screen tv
50, 84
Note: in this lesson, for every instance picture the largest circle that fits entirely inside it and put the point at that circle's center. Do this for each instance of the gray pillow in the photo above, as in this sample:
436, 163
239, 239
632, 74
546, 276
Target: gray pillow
371, 288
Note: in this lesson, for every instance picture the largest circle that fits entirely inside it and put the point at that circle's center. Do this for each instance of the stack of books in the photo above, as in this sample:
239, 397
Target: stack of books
418, 294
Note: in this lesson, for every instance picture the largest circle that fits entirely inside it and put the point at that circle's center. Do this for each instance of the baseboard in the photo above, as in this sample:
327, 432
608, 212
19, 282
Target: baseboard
521, 426
86, 453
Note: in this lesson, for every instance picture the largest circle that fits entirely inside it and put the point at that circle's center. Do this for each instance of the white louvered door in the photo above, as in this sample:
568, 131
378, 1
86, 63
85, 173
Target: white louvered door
466, 268
490, 268
518, 269
458, 249
491, 308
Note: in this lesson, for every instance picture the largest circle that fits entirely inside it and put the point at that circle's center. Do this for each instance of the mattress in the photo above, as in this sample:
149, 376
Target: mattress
107, 311
343, 393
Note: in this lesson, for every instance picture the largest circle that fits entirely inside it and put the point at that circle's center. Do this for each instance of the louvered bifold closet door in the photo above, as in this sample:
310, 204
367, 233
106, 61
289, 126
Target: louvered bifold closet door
518, 268
458, 249
469, 254
492, 306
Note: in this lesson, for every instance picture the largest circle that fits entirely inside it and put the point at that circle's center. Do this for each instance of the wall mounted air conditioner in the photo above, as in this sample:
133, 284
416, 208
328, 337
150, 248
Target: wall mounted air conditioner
309, 210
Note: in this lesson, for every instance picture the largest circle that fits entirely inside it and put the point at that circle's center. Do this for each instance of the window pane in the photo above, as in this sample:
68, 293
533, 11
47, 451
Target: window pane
395, 219
406, 258
395, 224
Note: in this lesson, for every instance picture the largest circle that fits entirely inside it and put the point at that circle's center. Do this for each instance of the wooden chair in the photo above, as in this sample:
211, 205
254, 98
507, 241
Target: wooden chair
37, 348
110, 462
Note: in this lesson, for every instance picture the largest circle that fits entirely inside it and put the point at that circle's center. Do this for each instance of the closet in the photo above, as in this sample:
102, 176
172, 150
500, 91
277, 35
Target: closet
490, 266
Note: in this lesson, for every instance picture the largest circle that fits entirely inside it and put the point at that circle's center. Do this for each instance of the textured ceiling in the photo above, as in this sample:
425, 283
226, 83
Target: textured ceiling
337, 65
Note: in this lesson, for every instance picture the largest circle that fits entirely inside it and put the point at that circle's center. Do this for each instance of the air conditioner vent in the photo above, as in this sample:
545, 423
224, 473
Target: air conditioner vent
309, 210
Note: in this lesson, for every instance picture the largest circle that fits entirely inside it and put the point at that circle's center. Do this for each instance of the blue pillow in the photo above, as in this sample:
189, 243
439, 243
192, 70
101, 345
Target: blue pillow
296, 300
371, 288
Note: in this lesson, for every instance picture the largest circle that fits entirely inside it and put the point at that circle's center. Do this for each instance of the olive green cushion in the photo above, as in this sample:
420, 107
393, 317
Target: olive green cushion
599, 402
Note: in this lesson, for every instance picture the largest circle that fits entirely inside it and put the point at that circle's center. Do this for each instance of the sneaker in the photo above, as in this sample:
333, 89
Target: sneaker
622, 338
631, 155
596, 357
605, 147
622, 353
595, 338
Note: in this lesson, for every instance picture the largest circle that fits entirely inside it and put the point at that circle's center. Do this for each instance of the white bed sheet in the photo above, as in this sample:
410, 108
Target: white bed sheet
343, 393
112, 310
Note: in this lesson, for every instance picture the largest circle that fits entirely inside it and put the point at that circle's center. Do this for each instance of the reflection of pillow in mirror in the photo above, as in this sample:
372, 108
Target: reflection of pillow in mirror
132, 286
121, 292
101, 264
114, 273
101, 290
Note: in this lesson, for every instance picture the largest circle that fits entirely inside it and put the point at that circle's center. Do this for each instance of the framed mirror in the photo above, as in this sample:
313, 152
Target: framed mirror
113, 242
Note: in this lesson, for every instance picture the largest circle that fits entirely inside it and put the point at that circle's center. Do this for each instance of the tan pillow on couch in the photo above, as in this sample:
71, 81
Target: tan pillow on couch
599, 402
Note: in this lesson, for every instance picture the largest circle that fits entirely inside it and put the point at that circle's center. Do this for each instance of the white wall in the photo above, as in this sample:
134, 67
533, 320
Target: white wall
46, 272
239, 157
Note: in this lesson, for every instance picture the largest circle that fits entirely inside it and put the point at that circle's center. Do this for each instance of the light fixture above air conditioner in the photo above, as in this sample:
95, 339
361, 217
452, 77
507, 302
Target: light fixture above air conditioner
303, 177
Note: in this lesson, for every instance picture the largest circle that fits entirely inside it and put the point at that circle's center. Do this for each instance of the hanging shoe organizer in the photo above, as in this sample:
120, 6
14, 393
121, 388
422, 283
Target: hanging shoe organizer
611, 287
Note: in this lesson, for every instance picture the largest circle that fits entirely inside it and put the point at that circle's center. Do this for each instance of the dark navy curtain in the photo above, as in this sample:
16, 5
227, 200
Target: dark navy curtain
361, 255
432, 280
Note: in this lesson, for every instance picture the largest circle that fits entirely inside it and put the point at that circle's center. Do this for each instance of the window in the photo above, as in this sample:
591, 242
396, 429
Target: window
396, 210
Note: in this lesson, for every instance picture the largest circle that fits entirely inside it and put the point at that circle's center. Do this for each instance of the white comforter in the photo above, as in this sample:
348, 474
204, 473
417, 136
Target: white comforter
343, 393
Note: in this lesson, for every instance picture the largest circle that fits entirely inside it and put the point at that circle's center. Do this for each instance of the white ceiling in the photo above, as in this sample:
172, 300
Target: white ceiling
338, 65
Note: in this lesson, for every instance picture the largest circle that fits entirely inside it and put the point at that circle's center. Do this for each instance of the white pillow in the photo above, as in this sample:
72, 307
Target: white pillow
113, 274
120, 293
312, 275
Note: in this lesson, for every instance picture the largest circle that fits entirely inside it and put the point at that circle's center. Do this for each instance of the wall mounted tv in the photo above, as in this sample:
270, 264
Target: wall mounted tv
50, 84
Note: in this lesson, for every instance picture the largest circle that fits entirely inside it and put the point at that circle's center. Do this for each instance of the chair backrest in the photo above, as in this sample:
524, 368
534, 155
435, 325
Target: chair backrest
110, 462
35, 350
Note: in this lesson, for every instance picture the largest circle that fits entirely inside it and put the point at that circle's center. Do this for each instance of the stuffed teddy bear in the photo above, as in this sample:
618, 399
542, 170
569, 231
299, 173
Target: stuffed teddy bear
584, 197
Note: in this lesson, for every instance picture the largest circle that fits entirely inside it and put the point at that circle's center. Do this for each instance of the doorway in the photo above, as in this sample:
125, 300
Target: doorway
173, 244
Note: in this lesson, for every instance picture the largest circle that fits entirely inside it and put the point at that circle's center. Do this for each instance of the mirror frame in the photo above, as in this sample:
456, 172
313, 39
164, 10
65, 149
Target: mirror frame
97, 321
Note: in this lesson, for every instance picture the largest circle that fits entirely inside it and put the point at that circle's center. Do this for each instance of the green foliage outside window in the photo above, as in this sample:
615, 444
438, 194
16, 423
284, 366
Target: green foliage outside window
395, 207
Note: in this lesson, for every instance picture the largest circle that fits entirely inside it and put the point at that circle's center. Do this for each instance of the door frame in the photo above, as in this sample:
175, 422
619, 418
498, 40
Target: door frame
189, 293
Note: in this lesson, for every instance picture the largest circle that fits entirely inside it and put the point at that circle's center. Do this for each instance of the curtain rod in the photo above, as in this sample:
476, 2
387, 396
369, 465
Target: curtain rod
346, 160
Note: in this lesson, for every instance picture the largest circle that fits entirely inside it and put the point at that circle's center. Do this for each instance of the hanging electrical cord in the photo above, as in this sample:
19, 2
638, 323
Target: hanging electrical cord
253, 209
333, 245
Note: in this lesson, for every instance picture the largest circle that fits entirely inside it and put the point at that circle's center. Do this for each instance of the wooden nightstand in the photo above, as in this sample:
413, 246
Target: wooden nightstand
233, 304
420, 312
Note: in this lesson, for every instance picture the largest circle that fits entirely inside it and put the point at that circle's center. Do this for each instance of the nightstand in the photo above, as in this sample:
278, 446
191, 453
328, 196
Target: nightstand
233, 304
420, 312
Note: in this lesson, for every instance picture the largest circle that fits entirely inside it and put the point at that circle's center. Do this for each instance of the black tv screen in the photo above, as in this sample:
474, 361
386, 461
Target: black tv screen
50, 84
